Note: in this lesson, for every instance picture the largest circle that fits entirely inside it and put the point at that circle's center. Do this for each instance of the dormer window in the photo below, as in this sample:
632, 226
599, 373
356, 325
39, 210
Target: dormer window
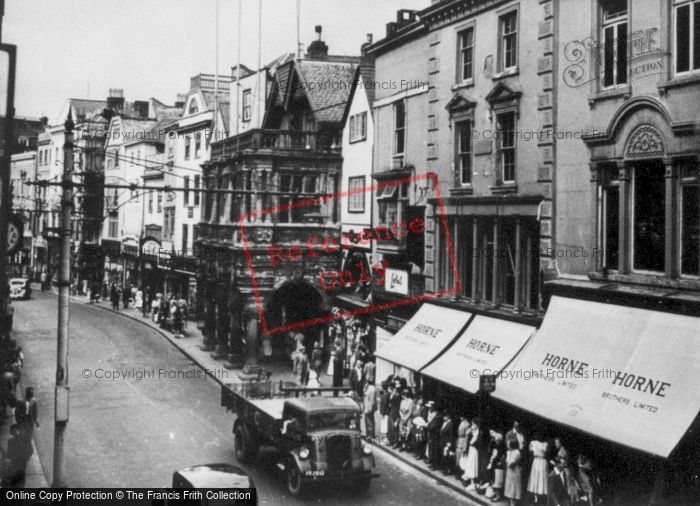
194, 108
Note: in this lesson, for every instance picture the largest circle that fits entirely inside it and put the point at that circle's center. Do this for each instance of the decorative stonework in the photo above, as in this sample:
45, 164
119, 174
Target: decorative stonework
645, 141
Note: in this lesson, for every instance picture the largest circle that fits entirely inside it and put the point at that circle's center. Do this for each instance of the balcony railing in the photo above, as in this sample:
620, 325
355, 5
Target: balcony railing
284, 140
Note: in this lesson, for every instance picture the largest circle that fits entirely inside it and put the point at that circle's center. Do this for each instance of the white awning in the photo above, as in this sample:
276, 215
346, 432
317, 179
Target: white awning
425, 335
624, 374
486, 347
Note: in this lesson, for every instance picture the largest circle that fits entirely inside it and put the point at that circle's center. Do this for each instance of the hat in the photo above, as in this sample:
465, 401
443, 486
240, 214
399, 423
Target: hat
317, 345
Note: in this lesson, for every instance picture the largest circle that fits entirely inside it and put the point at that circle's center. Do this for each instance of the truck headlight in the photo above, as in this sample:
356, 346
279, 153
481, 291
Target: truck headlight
366, 449
304, 453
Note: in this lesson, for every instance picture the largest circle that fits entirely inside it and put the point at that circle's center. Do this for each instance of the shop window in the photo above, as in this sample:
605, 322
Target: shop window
614, 40
508, 40
690, 220
356, 197
506, 146
465, 51
687, 36
464, 152
649, 222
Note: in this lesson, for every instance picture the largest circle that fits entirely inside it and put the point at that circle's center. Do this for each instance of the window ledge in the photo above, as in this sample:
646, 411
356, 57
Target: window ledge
622, 91
678, 82
362, 139
469, 83
513, 71
504, 188
462, 191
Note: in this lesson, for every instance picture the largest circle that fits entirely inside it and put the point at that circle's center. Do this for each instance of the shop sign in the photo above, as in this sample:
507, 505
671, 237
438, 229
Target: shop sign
396, 281
487, 383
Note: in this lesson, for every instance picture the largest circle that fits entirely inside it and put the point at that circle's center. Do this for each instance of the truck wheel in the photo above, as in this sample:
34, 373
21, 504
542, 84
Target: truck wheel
294, 480
245, 447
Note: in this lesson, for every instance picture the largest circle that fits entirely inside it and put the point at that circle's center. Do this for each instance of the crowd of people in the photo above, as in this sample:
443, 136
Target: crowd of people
14, 459
499, 464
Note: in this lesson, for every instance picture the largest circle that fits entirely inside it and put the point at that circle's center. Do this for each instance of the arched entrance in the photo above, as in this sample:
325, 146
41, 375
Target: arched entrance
294, 302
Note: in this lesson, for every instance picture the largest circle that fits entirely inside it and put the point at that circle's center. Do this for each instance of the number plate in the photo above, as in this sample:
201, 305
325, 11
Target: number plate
319, 472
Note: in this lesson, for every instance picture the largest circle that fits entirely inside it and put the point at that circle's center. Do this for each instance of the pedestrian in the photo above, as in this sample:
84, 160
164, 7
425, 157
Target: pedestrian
462, 442
317, 358
447, 444
472, 465
558, 485
394, 415
495, 467
384, 412
513, 487
338, 364
19, 451
356, 379
539, 471
370, 407
177, 321
369, 371
155, 307
26, 412
114, 296
138, 299
6, 470
418, 424
44, 276
405, 418
126, 296
587, 481
303, 367
146, 303
433, 433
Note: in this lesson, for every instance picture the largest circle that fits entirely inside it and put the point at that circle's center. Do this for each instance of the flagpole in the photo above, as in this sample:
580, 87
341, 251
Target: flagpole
257, 85
238, 71
216, 72
298, 29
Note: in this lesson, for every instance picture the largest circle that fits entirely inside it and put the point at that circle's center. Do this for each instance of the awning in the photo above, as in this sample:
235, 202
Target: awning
486, 347
425, 335
624, 374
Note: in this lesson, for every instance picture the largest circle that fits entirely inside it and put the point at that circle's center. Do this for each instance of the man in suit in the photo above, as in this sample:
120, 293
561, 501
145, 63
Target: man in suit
370, 406
558, 485
433, 433
394, 414
370, 371
356, 379
447, 443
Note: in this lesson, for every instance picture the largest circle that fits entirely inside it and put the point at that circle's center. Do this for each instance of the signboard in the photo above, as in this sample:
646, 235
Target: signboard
150, 247
396, 281
487, 383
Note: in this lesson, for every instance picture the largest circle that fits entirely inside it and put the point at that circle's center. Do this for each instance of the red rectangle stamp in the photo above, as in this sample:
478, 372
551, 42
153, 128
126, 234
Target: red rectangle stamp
295, 242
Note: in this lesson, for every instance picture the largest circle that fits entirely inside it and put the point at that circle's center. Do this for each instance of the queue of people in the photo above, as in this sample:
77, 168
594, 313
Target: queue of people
488, 461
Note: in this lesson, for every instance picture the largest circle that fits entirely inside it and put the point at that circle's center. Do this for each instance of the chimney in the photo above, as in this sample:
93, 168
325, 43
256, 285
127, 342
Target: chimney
317, 50
403, 17
115, 100
141, 108
180, 99
366, 44
44, 121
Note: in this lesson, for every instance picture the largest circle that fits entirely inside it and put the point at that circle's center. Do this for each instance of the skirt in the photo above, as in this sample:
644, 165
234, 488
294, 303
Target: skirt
499, 476
537, 484
513, 488
471, 470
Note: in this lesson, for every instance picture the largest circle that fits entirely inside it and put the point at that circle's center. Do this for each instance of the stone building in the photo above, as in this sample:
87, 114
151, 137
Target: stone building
272, 173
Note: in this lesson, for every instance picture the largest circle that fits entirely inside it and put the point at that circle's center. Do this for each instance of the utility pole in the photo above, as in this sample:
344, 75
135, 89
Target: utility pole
5, 191
64, 281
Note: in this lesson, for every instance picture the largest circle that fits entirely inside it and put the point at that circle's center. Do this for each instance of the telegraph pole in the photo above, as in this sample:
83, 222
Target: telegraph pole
64, 281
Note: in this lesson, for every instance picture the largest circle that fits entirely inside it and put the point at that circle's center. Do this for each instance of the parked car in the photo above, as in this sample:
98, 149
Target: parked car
20, 288
218, 479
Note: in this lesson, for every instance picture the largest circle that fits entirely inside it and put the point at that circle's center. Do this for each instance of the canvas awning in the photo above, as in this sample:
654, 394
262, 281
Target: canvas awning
485, 347
424, 336
624, 374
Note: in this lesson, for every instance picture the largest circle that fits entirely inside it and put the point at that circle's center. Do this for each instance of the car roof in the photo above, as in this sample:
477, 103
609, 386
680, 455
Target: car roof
215, 476
319, 404
19, 280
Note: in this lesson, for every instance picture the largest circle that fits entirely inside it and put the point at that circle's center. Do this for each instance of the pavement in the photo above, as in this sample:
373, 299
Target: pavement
189, 345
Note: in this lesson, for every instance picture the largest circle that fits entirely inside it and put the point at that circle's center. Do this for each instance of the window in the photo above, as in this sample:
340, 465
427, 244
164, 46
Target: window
464, 152
247, 105
391, 200
169, 223
506, 146
296, 184
399, 127
508, 40
113, 229
185, 238
194, 109
611, 224
187, 146
614, 39
150, 202
190, 212
197, 144
116, 159
465, 63
160, 202
690, 220
186, 193
196, 187
358, 127
649, 222
356, 198
688, 37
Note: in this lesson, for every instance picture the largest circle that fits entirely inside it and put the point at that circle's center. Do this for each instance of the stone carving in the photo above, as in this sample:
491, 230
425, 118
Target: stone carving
645, 141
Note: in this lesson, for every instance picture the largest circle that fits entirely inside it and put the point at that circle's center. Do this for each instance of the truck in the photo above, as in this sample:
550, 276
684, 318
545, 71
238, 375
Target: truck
317, 436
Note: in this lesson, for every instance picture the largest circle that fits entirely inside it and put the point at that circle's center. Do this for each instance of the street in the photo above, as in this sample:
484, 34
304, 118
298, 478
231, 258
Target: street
134, 432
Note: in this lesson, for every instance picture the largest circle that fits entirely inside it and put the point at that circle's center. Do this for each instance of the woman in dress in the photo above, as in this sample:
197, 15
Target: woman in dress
405, 418
496, 464
471, 473
512, 488
462, 445
539, 472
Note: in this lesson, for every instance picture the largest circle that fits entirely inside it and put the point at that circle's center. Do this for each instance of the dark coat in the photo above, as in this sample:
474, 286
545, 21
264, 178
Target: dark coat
383, 403
557, 491
447, 434
394, 405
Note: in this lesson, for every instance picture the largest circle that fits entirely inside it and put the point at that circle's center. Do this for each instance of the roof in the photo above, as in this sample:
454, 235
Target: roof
319, 404
366, 72
83, 107
327, 86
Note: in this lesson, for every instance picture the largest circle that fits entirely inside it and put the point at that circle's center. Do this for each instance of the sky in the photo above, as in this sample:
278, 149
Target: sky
151, 48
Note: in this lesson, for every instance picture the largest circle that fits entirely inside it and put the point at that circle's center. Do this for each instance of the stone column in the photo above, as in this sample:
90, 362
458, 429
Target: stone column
222, 320
235, 358
496, 257
252, 336
475, 260
671, 224
518, 266
625, 260
209, 330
